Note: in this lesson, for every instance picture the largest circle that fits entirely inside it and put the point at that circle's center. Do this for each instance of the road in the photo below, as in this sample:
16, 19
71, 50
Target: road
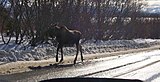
140, 65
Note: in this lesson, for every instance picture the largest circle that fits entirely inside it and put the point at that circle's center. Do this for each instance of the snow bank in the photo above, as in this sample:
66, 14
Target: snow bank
24, 52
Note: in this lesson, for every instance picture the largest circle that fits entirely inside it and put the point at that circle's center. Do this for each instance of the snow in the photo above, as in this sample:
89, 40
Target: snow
24, 52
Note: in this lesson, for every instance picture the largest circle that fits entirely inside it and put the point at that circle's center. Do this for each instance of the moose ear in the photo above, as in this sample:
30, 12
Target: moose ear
56, 24
51, 24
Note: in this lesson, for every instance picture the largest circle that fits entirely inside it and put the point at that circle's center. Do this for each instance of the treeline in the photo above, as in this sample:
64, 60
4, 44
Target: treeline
96, 19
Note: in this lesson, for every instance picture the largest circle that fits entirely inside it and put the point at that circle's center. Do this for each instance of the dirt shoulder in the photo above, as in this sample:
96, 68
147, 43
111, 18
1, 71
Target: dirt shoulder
23, 66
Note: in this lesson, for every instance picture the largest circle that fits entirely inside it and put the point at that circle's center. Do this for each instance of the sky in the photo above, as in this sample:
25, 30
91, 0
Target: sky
153, 6
153, 2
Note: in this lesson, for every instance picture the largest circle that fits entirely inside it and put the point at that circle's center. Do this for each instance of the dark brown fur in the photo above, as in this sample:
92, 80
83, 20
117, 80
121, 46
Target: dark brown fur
66, 37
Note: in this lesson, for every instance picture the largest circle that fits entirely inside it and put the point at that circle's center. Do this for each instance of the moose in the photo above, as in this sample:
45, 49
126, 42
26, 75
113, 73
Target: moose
65, 38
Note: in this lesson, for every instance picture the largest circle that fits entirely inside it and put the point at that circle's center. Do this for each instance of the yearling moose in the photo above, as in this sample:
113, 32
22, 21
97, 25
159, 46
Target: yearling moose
66, 37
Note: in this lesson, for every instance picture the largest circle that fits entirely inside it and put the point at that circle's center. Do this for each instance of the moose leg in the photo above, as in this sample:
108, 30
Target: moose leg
76, 53
80, 47
61, 54
57, 53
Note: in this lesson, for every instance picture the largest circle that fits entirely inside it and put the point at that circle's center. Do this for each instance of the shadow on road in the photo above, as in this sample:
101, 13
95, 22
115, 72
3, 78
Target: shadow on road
91, 80
153, 77
52, 66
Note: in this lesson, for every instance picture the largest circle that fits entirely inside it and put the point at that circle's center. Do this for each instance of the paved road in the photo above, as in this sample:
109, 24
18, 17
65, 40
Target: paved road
129, 66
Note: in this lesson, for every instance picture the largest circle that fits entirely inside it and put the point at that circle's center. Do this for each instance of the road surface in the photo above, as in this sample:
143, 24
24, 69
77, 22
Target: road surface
140, 65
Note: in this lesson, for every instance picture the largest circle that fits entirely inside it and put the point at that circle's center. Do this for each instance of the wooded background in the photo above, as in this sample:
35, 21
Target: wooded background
96, 19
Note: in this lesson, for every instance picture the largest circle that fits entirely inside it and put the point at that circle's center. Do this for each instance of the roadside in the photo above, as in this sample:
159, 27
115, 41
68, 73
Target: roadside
23, 66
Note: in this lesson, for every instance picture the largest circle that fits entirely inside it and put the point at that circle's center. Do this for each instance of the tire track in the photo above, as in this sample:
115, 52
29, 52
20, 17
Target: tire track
109, 69
141, 64
149, 64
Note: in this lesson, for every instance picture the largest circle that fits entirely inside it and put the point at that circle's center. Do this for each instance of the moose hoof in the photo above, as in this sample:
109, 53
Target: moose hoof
56, 60
82, 60
61, 60
74, 62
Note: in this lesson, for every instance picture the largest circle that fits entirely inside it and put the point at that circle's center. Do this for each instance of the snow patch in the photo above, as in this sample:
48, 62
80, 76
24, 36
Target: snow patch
24, 52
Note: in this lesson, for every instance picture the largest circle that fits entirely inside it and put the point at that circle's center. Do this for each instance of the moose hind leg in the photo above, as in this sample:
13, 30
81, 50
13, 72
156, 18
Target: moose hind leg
77, 47
61, 54
80, 47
